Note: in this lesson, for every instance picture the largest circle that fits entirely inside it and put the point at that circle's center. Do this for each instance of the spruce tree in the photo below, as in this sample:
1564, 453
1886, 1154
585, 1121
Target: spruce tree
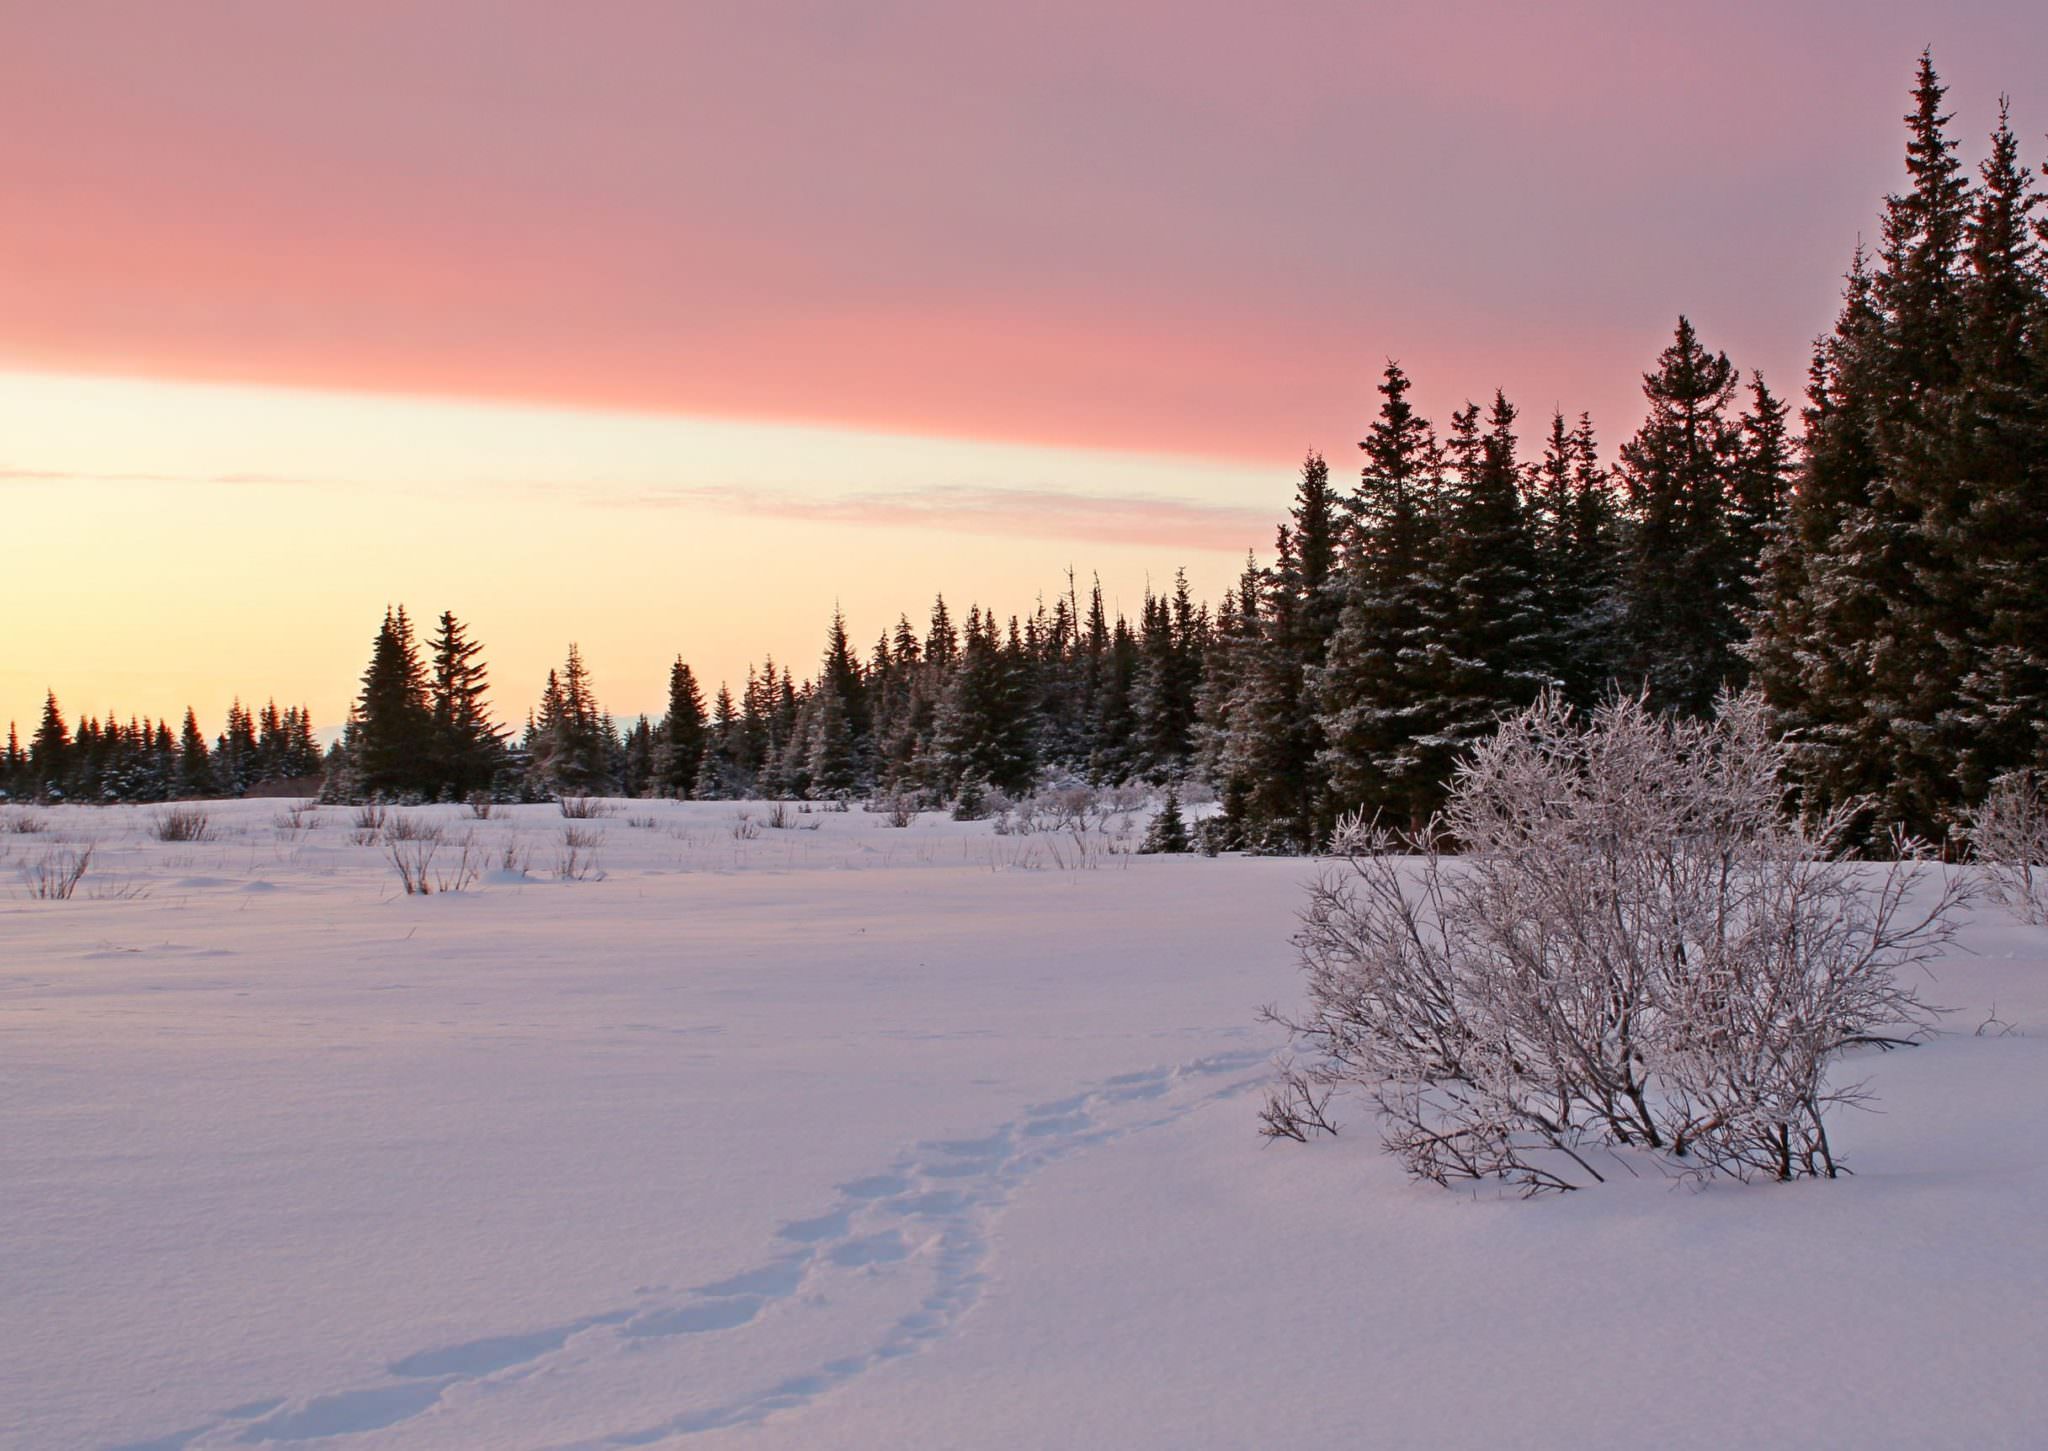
1864, 640
984, 733
1683, 584
49, 749
468, 749
1499, 641
680, 751
195, 761
1574, 524
1277, 715
720, 776
1168, 832
1374, 694
1986, 578
636, 765
393, 718
838, 747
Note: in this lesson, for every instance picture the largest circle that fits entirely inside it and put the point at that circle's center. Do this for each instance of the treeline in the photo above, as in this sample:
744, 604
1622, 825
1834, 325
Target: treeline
1881, 578
1070, 691
143, 760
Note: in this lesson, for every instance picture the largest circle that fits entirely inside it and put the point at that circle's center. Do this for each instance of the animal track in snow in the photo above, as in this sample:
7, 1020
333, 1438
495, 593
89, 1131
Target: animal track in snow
925, 1219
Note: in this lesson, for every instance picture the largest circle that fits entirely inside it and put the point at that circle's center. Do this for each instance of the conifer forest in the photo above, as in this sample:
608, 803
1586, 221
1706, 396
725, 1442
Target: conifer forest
1873, 562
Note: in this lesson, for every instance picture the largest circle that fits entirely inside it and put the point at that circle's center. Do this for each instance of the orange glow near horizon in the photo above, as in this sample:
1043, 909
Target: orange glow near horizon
200, 542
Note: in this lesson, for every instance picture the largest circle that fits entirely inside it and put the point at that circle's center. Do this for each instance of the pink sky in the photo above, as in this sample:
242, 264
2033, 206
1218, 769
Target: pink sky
1196, 227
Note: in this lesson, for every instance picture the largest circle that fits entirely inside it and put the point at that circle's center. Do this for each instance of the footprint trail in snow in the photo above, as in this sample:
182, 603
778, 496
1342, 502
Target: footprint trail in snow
926, 1218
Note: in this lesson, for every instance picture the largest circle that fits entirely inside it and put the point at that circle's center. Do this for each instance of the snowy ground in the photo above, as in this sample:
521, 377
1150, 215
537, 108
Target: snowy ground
865, 1137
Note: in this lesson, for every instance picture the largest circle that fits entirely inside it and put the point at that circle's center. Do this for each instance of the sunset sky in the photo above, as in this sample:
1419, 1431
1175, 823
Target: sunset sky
664, 326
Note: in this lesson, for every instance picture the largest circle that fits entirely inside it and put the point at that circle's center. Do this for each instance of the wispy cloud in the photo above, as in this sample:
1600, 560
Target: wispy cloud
960, 508
81, 476
976, 509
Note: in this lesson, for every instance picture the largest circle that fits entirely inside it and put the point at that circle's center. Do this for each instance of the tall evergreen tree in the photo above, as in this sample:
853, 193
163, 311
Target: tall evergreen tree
393, 718
1985, 575
49, 749
468, 750
1374, 694
1276, 715
1574, 523
984, 731
1684, 579
1871, 593
195, 761
1500, 642
680, 750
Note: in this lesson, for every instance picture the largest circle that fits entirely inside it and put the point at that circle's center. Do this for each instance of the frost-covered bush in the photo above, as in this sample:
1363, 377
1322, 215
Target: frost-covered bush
2009, 836
1637, 948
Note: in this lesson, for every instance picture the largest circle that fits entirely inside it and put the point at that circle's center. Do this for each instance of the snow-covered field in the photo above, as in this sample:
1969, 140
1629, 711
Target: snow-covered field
864, 1137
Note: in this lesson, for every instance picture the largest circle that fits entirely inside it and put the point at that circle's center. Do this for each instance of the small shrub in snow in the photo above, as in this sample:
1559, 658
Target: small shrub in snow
779, 816
643, 823
479, 803
400, 827
181, 823
2009, 835
22, 823
744, 827
578, 859
413, 857
369, 817
55, 875
299, 816
1637, 950
586, 808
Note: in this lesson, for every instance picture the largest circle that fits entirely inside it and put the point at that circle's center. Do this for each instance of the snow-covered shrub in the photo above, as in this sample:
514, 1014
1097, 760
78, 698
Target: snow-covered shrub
586, 808
973, 803
1638, 948
898, 811
1053, 808
22, 823
2009, 836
